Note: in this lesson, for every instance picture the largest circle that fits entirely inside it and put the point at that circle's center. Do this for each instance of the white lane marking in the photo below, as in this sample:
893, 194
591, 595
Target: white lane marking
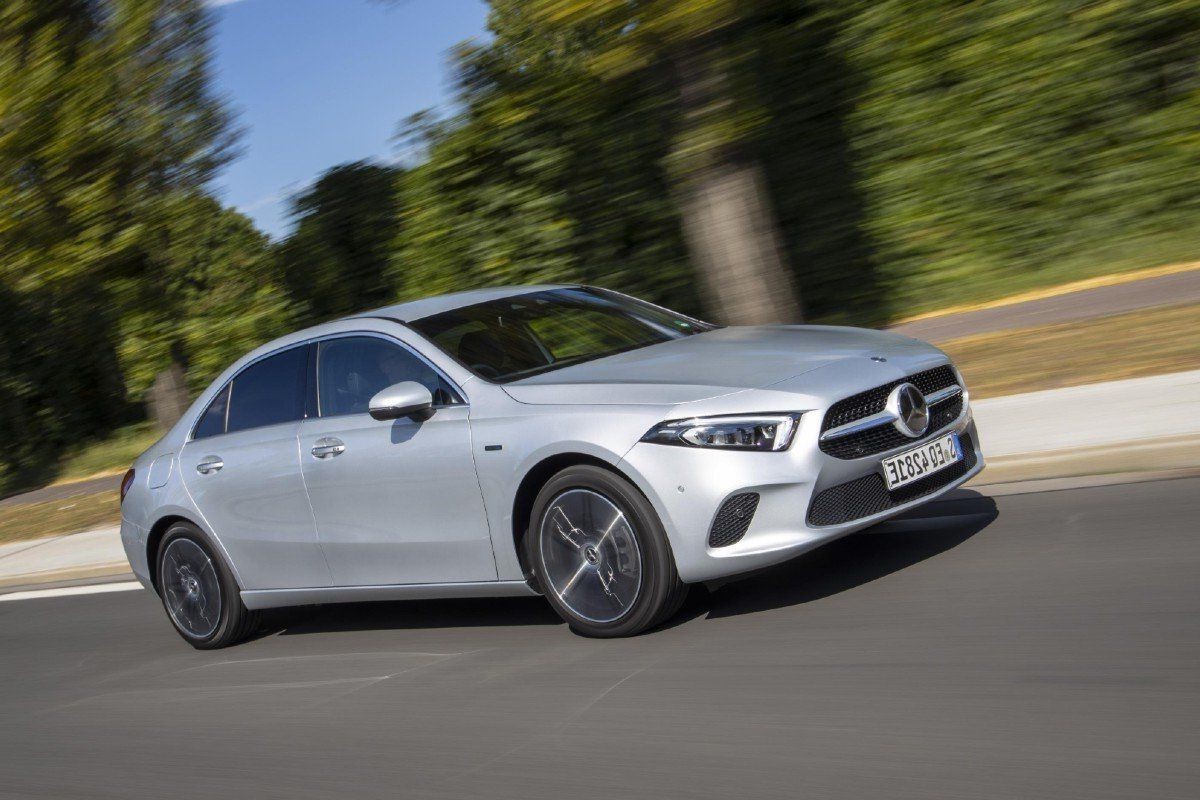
70, 591
339, 656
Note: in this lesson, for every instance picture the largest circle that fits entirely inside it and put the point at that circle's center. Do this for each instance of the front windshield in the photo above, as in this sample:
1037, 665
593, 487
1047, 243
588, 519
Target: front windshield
528, 334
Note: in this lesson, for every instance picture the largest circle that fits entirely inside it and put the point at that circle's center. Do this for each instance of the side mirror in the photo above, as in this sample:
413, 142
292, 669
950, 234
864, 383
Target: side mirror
402, 399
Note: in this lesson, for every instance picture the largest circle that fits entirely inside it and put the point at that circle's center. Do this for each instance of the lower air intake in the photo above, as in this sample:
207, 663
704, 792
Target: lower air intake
733, 519
868, 495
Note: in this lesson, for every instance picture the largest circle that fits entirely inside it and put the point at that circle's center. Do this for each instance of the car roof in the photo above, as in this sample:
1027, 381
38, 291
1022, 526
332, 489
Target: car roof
428, 306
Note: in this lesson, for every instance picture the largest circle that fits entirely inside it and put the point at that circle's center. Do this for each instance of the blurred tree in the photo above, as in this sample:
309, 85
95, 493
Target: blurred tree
916, 154
997, 140
215, 293
106, 119
546, 174
707, 50
336, 260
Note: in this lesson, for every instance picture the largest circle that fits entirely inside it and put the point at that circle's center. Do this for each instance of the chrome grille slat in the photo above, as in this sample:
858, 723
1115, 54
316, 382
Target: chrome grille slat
937, 384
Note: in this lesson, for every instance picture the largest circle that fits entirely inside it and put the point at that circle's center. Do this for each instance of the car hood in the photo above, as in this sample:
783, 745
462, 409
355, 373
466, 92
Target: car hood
710, 364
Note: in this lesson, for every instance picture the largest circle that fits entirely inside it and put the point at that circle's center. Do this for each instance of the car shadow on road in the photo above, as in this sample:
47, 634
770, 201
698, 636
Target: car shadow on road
852, 561
834, 568
413, 614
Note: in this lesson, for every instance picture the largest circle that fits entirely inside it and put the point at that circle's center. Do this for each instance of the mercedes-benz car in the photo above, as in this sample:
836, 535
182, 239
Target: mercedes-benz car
564, 441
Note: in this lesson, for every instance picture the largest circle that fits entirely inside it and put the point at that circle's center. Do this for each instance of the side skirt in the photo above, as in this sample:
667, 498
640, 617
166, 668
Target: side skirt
277, 598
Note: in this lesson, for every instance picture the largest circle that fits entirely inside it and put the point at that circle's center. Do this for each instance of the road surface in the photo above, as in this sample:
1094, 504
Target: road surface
1027, 645
1182, 287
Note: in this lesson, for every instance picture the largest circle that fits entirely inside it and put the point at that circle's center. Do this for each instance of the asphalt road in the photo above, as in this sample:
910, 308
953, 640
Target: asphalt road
1182, 287
1030, 645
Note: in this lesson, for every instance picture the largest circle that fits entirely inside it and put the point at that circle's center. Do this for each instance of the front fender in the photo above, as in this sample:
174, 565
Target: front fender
508, 446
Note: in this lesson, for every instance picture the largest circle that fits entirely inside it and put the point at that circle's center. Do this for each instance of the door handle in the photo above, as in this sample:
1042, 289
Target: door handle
328, 447
209, 465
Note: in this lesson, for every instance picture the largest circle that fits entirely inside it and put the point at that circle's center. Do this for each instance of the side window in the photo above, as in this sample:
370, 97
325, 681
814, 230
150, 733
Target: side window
270, 391
352, 370
212, 422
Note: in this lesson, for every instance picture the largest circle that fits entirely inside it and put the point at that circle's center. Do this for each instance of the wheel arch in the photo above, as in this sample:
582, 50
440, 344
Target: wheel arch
533, 481
159, 529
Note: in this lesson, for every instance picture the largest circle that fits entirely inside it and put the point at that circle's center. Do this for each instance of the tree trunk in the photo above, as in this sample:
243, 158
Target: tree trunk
169, 396
728, 222
735, 248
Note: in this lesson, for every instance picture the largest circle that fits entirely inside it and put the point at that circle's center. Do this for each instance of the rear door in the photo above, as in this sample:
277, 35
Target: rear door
396, 501
242, 468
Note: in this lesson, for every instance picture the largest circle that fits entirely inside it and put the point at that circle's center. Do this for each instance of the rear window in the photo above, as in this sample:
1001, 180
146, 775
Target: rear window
270, 391
212, 422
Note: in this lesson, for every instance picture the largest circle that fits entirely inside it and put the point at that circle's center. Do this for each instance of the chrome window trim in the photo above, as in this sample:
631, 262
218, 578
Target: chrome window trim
454, 387
315, 341
192, 431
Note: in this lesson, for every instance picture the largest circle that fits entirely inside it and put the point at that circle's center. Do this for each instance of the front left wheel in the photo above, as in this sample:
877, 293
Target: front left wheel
199, 593
600, 554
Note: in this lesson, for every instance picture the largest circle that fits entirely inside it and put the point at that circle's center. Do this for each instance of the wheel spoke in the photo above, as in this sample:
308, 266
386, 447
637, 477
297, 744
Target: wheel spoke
608, 531
573, 580
567, 533
607, 582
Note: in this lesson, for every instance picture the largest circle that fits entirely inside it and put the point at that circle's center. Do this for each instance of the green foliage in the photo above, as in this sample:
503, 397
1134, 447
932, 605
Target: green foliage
918, 154
108, 134
548, 174
998, 139
336, 260
214, 294
109, 455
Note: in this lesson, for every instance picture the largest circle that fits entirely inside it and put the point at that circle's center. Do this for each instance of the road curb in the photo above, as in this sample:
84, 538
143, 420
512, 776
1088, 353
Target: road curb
79, 576
1150, 456
69, 581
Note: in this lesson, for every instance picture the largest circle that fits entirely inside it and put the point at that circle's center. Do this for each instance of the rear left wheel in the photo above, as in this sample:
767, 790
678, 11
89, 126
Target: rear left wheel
600, 554
199, 593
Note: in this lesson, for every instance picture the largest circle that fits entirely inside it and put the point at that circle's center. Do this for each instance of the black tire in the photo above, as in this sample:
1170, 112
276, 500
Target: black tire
661, 593
231, 621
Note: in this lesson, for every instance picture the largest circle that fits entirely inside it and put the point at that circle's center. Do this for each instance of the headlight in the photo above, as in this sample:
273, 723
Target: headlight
742, 432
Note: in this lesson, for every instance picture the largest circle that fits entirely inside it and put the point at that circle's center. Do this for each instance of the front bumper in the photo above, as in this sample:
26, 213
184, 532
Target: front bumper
687, 487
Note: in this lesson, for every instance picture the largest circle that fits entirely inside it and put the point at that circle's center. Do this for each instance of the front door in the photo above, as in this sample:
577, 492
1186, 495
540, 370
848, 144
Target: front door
242, 469
395, 501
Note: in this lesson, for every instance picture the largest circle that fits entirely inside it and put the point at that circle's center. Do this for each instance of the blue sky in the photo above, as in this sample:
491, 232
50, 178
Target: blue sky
322, 82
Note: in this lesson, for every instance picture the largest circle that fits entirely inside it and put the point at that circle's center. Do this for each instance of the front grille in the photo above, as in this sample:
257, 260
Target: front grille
872, 401
868, 495
733, 519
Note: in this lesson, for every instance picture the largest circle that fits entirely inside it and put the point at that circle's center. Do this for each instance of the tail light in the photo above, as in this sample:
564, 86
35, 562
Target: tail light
126, 482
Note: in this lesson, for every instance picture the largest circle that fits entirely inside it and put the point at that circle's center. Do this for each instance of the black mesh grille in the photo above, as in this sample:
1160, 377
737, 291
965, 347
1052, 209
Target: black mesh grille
733, 519
943, 413
868, 495
872, 401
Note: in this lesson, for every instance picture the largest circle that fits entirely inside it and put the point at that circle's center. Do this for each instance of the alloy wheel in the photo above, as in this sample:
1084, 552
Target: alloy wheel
191, 588
590, 553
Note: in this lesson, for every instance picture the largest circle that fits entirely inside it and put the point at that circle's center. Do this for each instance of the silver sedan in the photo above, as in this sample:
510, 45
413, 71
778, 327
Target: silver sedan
565, 441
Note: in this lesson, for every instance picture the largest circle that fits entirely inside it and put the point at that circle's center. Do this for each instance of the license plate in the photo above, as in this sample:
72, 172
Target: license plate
912, 465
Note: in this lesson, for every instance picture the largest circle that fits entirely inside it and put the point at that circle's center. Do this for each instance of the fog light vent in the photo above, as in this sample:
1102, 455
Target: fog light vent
733, 519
